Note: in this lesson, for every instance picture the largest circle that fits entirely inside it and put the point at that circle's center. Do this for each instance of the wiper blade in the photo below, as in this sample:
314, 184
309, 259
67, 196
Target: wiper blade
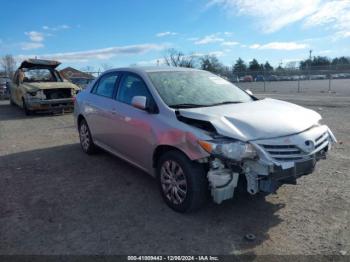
187, 105
226, 103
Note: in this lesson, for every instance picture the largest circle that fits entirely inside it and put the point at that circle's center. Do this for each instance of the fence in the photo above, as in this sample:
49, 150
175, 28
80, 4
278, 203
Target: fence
315, 79
324, 79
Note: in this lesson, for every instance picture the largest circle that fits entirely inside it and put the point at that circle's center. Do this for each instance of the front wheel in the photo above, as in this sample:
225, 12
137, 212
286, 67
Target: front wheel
11, 102
27, 111
183, 183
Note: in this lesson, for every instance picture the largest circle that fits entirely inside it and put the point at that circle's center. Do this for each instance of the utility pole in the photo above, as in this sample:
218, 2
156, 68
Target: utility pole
310, 57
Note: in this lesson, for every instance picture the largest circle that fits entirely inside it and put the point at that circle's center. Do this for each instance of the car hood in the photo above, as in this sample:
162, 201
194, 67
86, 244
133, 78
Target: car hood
261, 119
48, 85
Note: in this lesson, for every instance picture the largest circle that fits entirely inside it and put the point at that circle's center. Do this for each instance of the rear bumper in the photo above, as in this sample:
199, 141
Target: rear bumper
66, 104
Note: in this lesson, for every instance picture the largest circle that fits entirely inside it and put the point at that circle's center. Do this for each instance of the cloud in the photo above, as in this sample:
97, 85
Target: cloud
335, 15
255, 46
36, 40
31, 45
273, 15
280, 46
216, 53
161, 34
35, 36
100, 54
209, 39
229, 43
56, 28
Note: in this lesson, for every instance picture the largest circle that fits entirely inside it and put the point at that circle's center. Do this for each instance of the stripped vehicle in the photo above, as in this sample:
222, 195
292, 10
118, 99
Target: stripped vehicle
38, 86
198, 133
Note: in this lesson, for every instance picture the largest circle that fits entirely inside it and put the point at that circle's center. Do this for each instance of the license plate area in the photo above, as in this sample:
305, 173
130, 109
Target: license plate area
300, 168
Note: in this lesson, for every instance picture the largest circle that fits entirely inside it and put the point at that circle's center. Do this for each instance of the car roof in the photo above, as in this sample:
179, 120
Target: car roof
39, 63
148, 69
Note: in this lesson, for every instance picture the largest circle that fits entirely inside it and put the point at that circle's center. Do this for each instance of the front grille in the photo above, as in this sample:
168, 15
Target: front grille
284, 152
59, 93
293, 152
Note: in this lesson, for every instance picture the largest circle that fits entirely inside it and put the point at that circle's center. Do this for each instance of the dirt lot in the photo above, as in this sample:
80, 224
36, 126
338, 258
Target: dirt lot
54, 199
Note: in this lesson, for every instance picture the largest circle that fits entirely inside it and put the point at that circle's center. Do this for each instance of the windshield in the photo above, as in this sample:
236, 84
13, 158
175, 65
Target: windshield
195, 89
41, 75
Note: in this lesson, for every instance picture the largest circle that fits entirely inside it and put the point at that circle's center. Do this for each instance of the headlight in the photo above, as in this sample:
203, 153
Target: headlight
236, 150
38, 94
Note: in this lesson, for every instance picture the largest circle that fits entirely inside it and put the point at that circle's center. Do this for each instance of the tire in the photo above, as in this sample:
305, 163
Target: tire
182, 183
27, 111
86, 142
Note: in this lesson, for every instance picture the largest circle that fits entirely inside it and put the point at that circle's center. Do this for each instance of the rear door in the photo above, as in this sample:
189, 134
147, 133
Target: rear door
99, 104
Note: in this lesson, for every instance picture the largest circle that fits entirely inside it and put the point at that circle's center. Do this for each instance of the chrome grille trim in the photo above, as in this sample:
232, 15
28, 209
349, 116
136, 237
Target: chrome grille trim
283, 152
298, 147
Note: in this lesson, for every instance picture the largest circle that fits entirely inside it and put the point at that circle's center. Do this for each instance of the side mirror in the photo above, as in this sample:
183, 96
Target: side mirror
139, 102
249, 92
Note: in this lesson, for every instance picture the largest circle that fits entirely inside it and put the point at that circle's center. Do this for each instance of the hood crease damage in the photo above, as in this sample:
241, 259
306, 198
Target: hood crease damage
262, 119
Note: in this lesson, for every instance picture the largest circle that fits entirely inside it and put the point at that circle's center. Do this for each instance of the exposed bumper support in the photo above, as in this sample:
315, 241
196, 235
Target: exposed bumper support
51, 105
265, 174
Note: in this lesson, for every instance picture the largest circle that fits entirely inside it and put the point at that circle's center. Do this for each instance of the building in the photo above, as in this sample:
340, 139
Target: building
77, 77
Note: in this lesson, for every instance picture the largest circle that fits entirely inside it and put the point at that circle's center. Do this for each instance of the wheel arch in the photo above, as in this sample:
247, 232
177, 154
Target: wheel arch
162, 149
79, 119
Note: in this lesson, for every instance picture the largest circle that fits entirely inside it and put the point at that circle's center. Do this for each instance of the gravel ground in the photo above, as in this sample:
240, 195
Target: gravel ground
54, 199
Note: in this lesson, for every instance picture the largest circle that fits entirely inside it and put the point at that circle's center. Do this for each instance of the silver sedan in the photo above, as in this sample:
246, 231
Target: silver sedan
199, 134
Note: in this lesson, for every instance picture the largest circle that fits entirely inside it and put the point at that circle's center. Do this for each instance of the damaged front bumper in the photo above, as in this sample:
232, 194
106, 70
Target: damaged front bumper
66, 104
280, 161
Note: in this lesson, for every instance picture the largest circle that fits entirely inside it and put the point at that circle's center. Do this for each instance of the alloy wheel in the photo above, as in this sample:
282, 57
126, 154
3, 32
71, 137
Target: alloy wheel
84, 136
173, 182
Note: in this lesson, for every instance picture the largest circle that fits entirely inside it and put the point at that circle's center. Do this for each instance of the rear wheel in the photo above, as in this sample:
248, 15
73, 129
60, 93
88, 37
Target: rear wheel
183, 183
86, 141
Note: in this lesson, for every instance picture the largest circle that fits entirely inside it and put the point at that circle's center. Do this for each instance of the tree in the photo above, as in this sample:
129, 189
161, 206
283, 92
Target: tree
254, 65
106, 66
88, 69
212, 64
239, 66
8, 64
341, 60
321, 61
178, 59
291, 65
317, 61
268, 67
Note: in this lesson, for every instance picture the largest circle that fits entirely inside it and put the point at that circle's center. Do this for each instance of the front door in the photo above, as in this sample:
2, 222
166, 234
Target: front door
134, 130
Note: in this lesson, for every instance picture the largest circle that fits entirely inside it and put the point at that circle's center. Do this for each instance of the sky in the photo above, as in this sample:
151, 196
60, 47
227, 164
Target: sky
139, 32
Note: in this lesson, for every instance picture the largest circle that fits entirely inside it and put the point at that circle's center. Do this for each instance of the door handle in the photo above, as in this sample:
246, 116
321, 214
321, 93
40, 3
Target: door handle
113, 111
